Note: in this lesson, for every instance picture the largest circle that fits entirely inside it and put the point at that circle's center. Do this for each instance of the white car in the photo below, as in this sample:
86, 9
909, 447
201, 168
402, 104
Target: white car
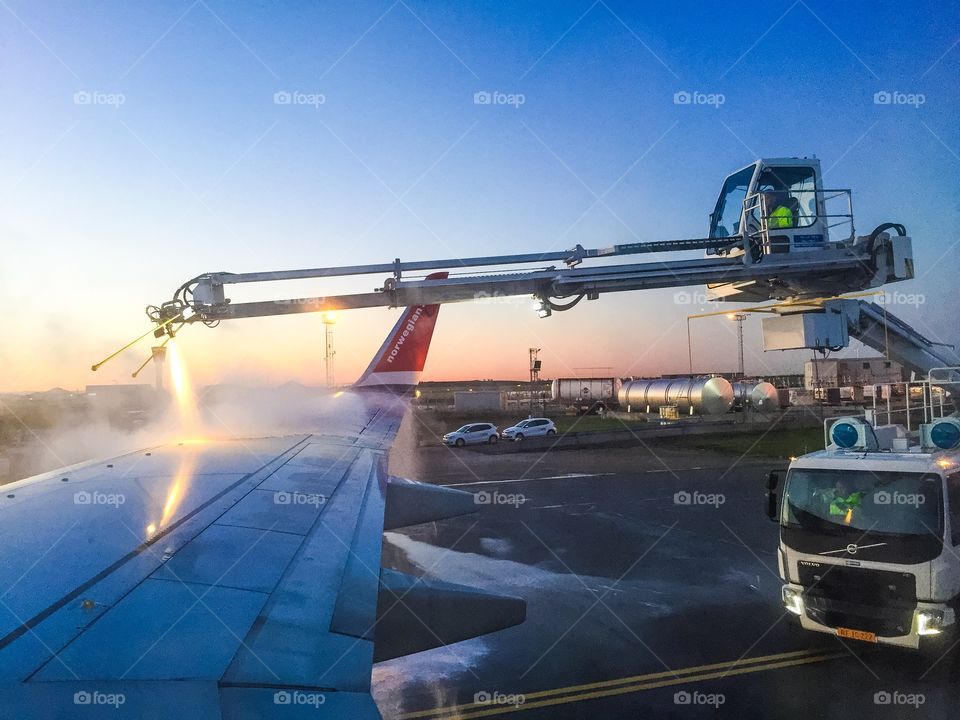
472, 434
531, 427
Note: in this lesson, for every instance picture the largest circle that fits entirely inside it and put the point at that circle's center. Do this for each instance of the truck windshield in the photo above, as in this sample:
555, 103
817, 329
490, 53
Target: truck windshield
877, 502
725, 220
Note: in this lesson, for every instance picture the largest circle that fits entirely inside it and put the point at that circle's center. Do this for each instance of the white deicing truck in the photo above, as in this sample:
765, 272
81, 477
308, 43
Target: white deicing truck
870, 533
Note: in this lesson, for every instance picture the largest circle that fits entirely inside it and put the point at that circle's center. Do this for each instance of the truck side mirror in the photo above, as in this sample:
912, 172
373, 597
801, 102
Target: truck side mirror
773, 479
773, 505
773, 500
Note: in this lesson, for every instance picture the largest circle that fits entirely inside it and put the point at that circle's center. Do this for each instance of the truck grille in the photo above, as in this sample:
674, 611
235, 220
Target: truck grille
878, 601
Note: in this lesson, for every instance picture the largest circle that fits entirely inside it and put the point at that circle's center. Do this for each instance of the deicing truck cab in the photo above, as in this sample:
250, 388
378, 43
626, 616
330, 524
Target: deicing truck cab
870, 533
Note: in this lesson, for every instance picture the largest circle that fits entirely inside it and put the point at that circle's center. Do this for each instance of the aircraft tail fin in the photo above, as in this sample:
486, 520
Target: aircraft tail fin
399, 362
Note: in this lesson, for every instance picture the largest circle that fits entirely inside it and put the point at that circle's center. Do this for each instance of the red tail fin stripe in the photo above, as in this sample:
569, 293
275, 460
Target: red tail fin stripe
408, 350
404, 352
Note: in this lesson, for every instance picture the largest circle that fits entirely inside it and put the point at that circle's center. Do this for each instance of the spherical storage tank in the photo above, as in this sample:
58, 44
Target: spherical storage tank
706, 396
762, 396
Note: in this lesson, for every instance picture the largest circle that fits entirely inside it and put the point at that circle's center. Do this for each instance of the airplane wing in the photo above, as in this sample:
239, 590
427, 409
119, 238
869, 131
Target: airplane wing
230, 580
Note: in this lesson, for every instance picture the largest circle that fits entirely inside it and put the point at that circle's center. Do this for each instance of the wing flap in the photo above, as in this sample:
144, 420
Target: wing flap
112, 699
243, 703
355, 613
144, 636
232, 557
291, 638
411, 503
416, 614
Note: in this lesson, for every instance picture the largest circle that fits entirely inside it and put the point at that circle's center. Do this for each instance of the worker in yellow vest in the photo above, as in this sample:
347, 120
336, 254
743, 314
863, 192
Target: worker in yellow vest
843, 501
778, 213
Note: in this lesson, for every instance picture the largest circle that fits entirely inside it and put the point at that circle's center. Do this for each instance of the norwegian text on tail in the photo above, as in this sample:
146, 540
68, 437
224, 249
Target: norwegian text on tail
399, 362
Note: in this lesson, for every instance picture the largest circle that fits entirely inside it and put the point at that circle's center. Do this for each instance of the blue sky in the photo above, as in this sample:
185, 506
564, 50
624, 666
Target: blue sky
182, 162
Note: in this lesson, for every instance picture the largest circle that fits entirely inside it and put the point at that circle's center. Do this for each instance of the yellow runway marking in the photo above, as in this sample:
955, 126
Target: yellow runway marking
633, 684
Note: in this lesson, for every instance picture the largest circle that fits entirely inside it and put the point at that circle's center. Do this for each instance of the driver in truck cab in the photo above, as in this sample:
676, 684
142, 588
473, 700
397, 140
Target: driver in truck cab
777, 210
842, 500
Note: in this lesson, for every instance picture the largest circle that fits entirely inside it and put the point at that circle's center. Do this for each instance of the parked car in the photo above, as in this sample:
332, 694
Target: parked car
531, 427
472, 434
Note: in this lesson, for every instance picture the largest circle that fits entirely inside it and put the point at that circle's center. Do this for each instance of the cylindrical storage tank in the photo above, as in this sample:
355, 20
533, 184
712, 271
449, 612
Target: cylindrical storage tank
759, 396
764, 396
741, 394
572, 389
705, 396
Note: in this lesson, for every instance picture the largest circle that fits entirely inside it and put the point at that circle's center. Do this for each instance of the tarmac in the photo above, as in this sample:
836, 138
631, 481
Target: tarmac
652, 590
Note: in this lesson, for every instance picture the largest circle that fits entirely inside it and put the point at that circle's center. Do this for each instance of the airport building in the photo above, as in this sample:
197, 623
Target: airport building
851, 372
475, 401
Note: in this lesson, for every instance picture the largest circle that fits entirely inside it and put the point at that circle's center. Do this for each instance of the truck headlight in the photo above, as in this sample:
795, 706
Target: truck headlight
793, 600
929, 622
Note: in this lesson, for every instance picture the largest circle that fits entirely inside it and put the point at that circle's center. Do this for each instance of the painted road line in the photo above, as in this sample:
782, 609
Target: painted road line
562, 505
518, 480
575, 475
610, 692
636, 683
649, 676
488, 482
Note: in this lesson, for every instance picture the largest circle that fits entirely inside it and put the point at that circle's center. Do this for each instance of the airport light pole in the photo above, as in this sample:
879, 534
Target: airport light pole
329, 319
534, 373
739, 318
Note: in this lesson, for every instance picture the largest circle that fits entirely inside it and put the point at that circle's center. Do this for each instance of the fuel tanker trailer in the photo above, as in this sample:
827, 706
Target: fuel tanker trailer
691, 396
758, 396
578, 391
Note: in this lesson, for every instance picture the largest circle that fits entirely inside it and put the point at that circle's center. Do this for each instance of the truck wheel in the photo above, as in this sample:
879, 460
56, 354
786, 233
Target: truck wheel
460, 442
492, 440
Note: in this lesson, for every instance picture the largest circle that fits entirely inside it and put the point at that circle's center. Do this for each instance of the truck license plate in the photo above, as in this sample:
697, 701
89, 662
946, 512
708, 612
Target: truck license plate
857, 634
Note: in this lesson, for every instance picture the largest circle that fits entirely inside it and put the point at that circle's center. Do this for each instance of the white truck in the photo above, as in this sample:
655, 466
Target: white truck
870, 533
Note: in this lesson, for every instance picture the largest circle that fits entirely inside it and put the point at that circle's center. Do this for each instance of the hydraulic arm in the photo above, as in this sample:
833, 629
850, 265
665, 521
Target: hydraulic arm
832, 270
776, 234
